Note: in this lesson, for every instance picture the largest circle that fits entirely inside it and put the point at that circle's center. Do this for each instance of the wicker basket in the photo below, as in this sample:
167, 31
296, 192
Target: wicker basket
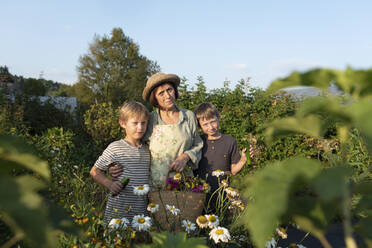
191, 205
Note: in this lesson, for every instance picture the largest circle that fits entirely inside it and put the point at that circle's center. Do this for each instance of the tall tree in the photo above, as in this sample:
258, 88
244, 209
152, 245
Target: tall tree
114, 69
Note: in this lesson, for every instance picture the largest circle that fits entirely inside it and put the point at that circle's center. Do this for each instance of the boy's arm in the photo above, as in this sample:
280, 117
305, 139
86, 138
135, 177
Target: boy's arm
100, 178
235, 168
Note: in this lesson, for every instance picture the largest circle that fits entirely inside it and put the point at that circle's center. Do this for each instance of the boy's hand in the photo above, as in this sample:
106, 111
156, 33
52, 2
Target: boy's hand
115, 170
115, 187
180, 162
243, 158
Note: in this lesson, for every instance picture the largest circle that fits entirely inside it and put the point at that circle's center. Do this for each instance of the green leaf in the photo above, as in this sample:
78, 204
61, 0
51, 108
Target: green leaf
14, 153
361, 113
310, 125
330, 107
364, 228
271, 188
179, 240
330, 184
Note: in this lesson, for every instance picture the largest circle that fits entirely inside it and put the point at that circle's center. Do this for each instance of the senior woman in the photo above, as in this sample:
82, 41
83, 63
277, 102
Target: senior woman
172, 132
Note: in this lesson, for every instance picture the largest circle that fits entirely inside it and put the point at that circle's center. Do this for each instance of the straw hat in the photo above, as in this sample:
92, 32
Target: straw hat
158, 79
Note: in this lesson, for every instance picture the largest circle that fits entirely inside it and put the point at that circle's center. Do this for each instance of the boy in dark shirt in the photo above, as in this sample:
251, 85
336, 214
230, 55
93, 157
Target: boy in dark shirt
220, 152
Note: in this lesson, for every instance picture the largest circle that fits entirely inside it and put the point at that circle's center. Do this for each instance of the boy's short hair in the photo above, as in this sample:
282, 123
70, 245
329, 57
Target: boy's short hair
133, 108
207, 111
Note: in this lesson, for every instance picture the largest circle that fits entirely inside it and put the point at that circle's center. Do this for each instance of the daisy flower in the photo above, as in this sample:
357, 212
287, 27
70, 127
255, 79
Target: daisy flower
177, 177
189, 226
141, 190
141, 222
173, 209
218, 173
237, 203
202, 221
213, 221
224, 183
219, 234
231, 192
281, 232
118, 223
152, 207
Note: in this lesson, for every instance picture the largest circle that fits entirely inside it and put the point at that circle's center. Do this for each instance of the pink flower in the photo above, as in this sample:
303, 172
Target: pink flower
173, 183
197, 189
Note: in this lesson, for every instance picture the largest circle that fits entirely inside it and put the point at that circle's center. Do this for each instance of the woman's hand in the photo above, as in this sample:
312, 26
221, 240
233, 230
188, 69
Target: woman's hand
115, 170
180, 162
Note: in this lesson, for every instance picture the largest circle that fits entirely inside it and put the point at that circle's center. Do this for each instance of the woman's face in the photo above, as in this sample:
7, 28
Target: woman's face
165, 95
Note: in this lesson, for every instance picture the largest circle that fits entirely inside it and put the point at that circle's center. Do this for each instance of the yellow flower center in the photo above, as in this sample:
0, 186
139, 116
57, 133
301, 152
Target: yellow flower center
178, 175
212, 218
140, 188
189, 225
152, 205
118, 221
219, 232
231, 189
172, 208
141, 220
202, 219
218, 171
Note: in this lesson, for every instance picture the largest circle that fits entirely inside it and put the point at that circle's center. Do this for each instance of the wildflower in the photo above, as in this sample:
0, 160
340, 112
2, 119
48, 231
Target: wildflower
127, 208
172, 183
173, 209
141, 190
231, 192
219, 234
51, 151
218, 173
213, 221
76, 167
202, 221
189, 226
271, 243
224, 183
141, 222
177, 177
59, 165
85, 220
206, 187
152, 207
118, 223
238, 204
282, 233
197, 189
133, 235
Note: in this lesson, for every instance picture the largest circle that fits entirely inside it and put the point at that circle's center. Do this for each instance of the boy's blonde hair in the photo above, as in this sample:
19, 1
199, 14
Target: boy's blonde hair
133, 109
207, 111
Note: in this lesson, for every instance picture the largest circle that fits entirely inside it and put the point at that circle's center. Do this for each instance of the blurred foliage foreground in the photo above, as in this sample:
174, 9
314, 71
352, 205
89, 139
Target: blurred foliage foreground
311, 166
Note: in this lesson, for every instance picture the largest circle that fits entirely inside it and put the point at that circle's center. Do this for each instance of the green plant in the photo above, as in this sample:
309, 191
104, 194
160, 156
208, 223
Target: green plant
22, 207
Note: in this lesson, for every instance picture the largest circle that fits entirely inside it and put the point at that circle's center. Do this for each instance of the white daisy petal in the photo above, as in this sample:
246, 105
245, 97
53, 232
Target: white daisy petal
141, 222
141, 190
220, 234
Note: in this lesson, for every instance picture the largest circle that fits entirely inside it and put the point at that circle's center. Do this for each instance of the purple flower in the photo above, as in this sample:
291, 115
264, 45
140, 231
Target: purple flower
197, 189
172, 182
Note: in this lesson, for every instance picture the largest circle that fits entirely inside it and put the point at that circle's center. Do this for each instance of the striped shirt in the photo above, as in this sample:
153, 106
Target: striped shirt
136, 167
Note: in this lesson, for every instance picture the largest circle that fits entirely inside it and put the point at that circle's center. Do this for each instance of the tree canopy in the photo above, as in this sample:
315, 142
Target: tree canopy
114, 69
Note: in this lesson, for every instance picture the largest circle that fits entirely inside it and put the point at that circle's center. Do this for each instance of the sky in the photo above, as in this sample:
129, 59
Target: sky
218, 40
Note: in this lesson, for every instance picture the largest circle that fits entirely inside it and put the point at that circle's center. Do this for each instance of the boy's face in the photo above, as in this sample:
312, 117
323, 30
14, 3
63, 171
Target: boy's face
210, 126
135, 127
